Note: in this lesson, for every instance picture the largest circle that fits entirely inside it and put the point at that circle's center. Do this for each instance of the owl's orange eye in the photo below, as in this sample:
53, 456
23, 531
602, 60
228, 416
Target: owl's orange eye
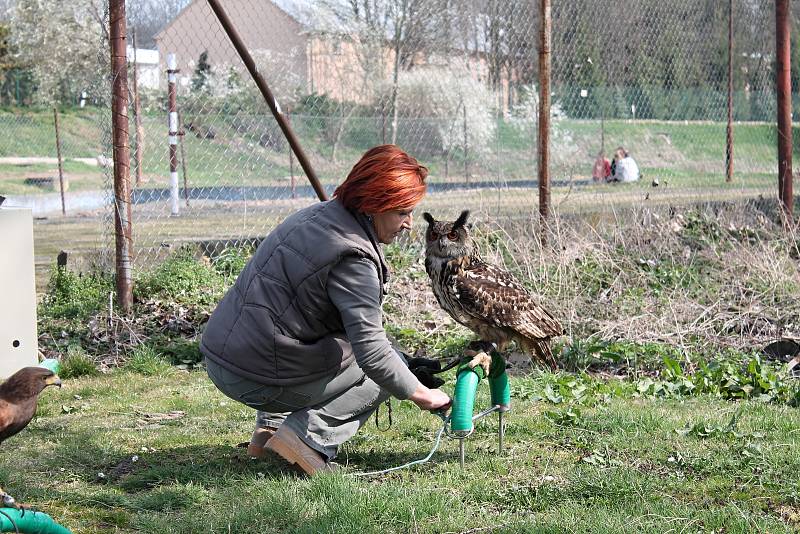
452, 236
433, 236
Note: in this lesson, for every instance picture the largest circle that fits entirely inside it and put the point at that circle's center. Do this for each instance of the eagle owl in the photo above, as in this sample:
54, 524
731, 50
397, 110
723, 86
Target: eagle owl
484, 298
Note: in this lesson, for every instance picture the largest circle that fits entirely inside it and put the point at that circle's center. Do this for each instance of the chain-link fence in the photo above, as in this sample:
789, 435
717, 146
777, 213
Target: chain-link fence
456, 85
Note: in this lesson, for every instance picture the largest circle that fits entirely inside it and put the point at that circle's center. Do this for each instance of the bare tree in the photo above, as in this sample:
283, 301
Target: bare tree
411, 29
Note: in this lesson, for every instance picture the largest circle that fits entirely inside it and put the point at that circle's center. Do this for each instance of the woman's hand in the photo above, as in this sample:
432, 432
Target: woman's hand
429, 399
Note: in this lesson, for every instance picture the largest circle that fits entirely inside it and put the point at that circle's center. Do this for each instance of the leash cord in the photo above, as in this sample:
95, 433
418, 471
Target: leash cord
445, 421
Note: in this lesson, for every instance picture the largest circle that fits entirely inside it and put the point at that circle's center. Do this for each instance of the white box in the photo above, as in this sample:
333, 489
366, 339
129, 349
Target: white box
18, 338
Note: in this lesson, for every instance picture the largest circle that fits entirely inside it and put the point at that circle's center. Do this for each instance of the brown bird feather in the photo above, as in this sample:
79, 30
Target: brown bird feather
485, 298
19, 395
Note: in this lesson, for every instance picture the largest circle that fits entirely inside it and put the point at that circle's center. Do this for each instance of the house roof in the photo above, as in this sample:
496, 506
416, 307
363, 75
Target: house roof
322, 16
314, 15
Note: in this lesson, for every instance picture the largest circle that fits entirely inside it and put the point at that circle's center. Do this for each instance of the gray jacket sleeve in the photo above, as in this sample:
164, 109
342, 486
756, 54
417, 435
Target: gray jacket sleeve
354, 288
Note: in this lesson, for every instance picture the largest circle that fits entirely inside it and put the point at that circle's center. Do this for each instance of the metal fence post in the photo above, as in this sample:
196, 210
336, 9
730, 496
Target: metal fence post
60, 163
291, 160
783, 84
137, 115
122, 156
545, 32
172, 69
236, 40
729, 130
466, 146
181, 135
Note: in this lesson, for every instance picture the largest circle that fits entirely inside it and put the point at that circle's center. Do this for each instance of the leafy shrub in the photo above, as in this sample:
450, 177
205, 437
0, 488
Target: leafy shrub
232, 260
71, 295
77, 363
184, 279
586, 354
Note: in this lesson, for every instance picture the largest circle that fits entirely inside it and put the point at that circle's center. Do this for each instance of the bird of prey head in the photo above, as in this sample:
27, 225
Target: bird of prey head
28, 382
18, 397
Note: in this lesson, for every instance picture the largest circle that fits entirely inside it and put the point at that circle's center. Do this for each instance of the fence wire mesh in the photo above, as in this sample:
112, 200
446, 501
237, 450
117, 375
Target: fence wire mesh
453, 83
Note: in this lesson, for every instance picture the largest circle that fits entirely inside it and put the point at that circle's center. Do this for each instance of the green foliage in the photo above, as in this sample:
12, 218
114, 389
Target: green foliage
73, 295
182, 278
318, 105
402, 256
594, 275
201, 72
619, 466
445, 343
180, 351
145, 361
570, 416
232, 260
730, 376
591, 353
705, 430
77, 363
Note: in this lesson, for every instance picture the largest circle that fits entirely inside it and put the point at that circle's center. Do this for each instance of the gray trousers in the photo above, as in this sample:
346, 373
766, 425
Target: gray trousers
324, 413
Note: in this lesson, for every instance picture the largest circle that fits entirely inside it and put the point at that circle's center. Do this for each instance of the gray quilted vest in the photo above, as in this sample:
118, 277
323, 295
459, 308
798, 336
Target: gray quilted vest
276, 325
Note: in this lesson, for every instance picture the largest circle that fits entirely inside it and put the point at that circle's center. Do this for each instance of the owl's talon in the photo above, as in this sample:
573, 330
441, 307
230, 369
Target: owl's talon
9, 501
479, 358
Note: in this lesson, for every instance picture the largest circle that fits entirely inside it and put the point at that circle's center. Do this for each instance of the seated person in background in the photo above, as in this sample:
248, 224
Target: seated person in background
624, 168
602, 168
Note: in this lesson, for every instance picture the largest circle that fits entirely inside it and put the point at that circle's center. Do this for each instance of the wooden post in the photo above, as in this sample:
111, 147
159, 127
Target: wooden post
784, 89
729, 131
137, 116
466, 145
545, 31
60, 163
172, 69
122, 155
383, 122
181, 135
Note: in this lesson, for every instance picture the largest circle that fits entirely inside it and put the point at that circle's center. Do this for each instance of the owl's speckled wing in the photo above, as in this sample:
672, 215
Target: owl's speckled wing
493, 295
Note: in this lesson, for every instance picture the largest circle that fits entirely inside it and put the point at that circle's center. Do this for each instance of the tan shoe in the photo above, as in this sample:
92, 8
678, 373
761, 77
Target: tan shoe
292, 449
257, 446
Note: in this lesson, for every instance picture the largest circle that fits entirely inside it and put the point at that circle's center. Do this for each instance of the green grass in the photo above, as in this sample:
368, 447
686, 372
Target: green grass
31, 132
687, 154
104, 455
664, 416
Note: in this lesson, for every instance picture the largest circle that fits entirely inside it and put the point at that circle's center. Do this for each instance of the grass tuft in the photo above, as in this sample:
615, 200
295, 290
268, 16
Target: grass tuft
77, 363
145, 361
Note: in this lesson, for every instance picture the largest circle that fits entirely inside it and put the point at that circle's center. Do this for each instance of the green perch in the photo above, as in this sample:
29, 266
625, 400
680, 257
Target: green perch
467, 380
30, 522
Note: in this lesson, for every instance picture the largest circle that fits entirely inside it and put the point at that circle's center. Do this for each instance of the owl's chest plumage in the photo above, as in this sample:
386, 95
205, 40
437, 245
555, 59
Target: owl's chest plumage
444, 275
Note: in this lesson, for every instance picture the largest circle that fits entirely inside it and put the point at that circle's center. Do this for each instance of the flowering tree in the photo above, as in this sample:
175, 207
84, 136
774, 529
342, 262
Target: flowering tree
61, 43
525, 118
446, 109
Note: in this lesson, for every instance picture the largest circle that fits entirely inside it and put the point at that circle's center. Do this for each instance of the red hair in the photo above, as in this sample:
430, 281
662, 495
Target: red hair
384, 179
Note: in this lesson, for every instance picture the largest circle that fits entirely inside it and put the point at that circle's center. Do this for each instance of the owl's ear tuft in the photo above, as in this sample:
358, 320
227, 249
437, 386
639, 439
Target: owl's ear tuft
428, 217
462, 219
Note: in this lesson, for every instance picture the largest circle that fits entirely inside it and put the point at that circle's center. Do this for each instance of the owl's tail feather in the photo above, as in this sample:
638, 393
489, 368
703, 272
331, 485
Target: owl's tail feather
541, 352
